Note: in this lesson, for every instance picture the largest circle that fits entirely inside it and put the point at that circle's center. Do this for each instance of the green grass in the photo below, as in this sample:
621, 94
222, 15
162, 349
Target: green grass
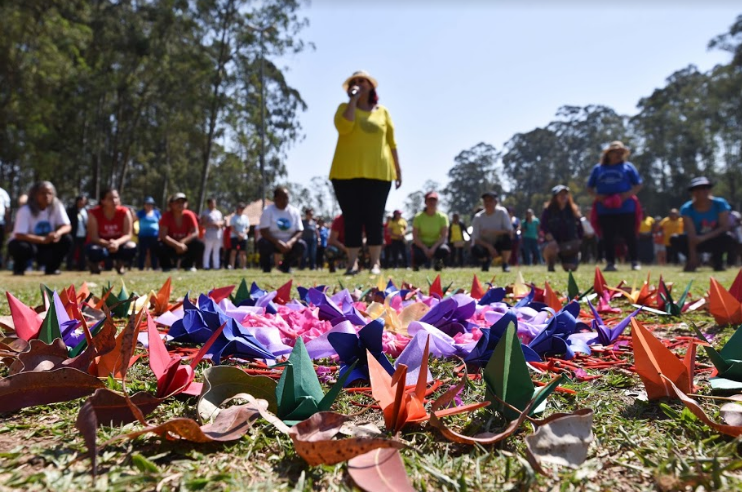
638, 445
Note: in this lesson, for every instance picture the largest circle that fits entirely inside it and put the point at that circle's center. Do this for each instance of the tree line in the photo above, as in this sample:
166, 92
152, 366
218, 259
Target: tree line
149, 96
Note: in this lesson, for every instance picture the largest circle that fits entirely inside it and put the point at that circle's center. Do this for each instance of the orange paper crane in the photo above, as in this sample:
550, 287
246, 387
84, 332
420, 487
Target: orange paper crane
403, 405
652, 360
477, 291
551, 299
723, 306
160, 302
599, 284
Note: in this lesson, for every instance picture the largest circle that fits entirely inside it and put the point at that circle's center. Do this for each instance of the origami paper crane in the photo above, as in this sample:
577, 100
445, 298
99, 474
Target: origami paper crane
496, 294
299, 394
330, 311
558, 335
118, 310
670, 306
482, 352
161, 300
652, 360
221, 293
451, 314
26, 321
400, 405
353, 350
477, 291
728, 361
242, 294
641, 296
173, 377
283, 293
551, 299
520, 288
435, 287
506, 377
606, 336
723, 306
599, 283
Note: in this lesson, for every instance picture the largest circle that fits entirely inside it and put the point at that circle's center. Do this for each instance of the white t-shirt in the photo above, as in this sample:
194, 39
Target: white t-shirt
48, 220
212, 217
4, 204
483, 225
281, 223
240, 224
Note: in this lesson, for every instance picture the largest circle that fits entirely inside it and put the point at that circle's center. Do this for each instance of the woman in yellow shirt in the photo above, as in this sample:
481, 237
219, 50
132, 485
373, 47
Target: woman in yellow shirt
364, 166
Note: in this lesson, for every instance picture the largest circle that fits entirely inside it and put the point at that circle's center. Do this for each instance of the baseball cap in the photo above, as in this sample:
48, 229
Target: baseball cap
490, 194
431, 194
699, 182
558, 189
178, 196
149, 201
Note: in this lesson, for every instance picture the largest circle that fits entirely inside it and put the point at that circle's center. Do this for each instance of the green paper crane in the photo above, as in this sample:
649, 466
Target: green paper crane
671, 307
299, 394
50, 326
242, 294
506, 376
728, 361
573, 291
120, 310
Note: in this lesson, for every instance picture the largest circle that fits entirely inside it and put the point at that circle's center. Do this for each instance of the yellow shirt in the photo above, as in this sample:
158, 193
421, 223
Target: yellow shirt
456, 234
646, 225
670, 227
397, 228
364, 148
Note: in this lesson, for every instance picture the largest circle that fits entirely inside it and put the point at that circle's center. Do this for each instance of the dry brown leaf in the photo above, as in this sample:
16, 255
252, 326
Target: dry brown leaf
562, 439
730, 430
380, 470
732, 412
40, 357
29, 389
313, 440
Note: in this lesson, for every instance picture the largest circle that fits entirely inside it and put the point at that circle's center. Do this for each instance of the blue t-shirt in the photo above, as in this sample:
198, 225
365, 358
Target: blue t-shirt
705, 221
149, 225
324, 235
612, 179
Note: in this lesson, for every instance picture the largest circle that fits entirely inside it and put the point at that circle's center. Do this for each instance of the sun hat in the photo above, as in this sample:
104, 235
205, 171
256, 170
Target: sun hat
149, 201
558, 189
362, 74
699, 182
616, 145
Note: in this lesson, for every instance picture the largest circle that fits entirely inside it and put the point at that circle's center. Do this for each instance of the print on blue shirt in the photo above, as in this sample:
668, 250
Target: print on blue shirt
705, 221
283, 224
610, 180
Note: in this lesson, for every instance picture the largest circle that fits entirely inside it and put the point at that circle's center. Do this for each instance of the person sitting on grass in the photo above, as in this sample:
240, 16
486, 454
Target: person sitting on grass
562, 228
239, 224
179, 236
706, 226
280, 232
109, 234
429, 235
492, 233
41, 231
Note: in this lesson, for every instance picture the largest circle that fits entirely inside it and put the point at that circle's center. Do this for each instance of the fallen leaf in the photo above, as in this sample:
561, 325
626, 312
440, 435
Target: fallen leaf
40, 357
112, 409
29, 389
87, 424
224, 382
732, 412
730, 430
562, 439
313, 440
380, 470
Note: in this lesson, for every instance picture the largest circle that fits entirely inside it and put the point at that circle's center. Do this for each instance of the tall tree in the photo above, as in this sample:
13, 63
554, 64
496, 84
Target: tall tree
473, 173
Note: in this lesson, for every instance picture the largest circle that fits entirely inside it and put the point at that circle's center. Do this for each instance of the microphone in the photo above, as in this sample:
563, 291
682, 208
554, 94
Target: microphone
354, 91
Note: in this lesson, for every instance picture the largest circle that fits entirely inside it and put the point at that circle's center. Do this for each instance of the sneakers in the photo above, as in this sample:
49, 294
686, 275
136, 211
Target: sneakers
610, 267
551, 268
438, 265
376, 270
193, 269
505, 267
635, 266
486, 265
285, 267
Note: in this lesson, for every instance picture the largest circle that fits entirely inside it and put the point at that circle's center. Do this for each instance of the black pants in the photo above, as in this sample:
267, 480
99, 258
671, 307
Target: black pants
267, 249
2, 243
362, 202
503, 243
419, 258
147, 243
457, 256
398, 253
97, 253
76, 256
618, 226
589, 249
717, 246
645, 245
50, 255
168, 256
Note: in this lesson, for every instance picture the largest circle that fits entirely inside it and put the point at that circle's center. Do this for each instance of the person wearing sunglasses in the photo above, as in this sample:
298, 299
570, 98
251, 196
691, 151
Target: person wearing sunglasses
363, 167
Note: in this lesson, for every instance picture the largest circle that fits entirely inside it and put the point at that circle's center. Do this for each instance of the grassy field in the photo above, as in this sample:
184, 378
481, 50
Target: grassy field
638, 445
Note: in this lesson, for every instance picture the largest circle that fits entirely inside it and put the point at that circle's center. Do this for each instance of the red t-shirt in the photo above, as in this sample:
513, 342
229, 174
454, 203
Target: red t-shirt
109, 228
188, 224
338, 225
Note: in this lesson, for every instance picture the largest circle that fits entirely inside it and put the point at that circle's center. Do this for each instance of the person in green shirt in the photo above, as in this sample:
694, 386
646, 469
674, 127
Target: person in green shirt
429, 235
530, 226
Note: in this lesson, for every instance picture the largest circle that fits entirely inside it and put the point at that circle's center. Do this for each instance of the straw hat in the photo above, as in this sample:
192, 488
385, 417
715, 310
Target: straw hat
360, 73
617, 145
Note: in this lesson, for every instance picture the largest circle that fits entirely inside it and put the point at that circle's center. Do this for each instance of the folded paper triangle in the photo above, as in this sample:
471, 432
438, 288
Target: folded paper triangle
477, 291
26, 321
725, 309
435, 288
652, 360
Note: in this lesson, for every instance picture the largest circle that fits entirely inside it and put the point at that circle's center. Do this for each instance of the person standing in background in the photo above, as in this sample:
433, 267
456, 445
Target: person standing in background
78, 214
614, 183
310, 237
398, 247
515, 253
458, 239
660, 250
149, 230
324, 233
363, 167
4, 220
530, 228
672, 225
212, 221
646, 241
239, 225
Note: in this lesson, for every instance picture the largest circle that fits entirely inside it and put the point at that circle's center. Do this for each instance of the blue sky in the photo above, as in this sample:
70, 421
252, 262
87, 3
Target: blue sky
454, 74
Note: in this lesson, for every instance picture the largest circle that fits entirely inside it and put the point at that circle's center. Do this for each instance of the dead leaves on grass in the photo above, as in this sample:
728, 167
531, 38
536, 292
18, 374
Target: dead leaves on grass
561, 439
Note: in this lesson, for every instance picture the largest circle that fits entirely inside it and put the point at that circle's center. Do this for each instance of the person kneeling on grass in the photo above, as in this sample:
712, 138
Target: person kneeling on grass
280, 232
41, 231
109, 233
429, 235
706, 226
179, 236
562, 228
492, 233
